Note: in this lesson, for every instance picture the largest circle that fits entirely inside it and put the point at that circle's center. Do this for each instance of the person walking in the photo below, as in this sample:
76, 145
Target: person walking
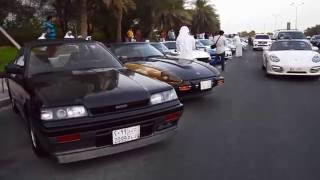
50, 28
238, 46
220, 43
185, 43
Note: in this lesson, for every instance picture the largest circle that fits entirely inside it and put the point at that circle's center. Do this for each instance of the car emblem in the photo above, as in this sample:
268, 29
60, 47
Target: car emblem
121, 106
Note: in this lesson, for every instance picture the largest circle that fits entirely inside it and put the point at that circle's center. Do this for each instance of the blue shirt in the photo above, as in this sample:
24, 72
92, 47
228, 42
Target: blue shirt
50, 29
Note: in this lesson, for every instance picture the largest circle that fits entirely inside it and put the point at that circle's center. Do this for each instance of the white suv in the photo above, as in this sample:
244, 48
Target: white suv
261, 40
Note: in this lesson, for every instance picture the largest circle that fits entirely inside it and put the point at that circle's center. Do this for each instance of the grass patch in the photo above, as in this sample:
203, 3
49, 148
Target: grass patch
7, 54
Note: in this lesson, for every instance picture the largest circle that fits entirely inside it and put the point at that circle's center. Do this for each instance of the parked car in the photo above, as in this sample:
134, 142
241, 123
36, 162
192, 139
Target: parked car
288, 34
261, 40
196, 54
188, 77
315, 40
291, 57
206, 44
79, 102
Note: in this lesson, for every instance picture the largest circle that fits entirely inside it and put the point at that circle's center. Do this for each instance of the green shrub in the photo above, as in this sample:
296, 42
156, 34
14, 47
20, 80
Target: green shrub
7, 54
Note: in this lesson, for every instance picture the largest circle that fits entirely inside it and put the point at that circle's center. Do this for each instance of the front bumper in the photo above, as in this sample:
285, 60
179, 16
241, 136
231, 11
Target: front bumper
260, 46
95, 133
195, 89
278, 69
94, 152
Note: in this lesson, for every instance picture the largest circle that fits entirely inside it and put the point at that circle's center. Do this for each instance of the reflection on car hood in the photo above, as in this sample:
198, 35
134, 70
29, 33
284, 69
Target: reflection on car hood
185, 69
93, 88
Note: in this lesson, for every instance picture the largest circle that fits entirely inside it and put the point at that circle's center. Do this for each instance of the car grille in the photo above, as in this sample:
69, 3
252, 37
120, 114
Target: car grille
263, 42
297, 72
115, 108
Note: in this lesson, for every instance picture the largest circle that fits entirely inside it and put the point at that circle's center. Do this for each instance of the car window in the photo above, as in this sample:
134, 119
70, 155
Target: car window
136, 50
161, 47
290, 45
60, 57
171, 45
291, 35
20, 61
262, 37
206, 42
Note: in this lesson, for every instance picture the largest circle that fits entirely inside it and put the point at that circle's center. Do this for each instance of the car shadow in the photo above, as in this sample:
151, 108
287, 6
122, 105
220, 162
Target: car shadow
293, 78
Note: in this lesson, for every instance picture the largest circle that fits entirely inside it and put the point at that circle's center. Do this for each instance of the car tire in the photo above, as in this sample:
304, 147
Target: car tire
36, 146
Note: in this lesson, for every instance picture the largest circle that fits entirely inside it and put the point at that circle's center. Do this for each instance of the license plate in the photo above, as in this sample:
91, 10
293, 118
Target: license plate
205, 85
126, 134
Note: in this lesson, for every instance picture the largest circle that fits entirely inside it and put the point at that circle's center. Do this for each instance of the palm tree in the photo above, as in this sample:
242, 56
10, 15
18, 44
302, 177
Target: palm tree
205, 18
119, 7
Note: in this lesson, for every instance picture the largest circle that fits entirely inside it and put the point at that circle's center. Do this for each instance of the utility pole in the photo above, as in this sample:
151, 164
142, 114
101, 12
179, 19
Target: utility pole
296, 5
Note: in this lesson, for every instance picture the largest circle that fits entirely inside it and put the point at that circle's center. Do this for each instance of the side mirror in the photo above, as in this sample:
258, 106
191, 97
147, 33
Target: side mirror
314, 48
13, 69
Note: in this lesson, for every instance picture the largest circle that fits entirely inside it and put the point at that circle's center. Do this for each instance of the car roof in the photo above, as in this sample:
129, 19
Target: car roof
43, 42
127, 43
284, 40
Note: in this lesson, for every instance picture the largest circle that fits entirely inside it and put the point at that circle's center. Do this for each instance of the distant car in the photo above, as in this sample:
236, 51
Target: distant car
288, 34
315, 40
261, 40
79, 102
291, 57
196, 54
207, 43
188, 77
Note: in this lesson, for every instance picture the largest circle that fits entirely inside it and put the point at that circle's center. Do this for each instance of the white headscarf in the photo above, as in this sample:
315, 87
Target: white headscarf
185, 43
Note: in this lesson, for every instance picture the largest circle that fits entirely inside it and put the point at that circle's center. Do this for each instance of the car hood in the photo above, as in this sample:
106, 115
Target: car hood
295, 57
93, 88
183, 68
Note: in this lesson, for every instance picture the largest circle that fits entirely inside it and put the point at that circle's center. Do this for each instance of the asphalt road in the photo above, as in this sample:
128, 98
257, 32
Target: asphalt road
252, 128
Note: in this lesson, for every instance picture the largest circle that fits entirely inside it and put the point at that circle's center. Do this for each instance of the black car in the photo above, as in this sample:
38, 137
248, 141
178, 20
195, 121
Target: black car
188, 77
315, 40
79, 102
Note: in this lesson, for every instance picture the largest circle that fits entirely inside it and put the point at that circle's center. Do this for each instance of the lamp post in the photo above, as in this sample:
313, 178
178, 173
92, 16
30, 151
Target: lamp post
296, 5
275, 20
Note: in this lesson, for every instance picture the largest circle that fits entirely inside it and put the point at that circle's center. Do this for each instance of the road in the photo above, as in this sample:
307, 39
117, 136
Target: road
252, 128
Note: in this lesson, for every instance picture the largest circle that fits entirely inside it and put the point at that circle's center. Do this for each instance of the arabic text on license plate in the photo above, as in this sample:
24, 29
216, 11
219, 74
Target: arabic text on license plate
205, 85
126, 134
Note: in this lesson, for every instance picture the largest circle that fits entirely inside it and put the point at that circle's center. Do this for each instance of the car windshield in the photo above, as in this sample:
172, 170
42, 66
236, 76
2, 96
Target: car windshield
70, 56
290, 45
262, 37
170, 45
143, 50
206, 42
291, 35
199, 44
161, 47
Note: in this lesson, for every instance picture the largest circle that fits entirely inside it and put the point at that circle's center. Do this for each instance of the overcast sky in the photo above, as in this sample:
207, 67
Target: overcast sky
240, 15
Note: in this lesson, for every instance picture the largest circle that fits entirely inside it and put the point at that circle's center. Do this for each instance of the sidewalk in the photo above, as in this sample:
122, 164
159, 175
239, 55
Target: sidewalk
4, 97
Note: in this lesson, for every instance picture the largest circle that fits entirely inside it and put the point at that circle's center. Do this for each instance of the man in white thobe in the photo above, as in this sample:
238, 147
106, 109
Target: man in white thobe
185, 43
238, 46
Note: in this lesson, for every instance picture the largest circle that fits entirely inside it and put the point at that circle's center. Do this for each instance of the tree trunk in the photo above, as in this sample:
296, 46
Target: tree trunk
84, 19
119, 25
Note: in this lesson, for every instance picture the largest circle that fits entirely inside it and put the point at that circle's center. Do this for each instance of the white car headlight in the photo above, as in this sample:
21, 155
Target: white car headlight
163, 97
316, 59
274, 58
63, 113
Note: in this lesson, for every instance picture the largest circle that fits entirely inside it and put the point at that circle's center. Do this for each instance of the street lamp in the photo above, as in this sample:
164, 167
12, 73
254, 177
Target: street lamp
275, 20
296, 5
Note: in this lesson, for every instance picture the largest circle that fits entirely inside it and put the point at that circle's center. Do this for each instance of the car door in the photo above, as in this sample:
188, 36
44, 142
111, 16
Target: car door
16, 81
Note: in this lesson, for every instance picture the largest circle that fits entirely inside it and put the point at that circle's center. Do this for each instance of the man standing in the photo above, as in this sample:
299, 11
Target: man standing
50, 28
220, 43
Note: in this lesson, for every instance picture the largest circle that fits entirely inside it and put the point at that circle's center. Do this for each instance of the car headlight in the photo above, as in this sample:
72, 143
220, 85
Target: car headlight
162, 97
274, 58
63, 113
316, 59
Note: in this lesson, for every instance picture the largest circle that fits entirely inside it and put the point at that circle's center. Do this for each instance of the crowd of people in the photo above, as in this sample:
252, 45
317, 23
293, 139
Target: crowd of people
185, 41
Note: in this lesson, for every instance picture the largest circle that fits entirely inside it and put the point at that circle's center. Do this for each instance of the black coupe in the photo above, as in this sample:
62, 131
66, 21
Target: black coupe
188, 77
79, 102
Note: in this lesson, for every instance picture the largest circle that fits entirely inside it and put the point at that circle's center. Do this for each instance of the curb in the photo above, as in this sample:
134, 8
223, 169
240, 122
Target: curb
4, 102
